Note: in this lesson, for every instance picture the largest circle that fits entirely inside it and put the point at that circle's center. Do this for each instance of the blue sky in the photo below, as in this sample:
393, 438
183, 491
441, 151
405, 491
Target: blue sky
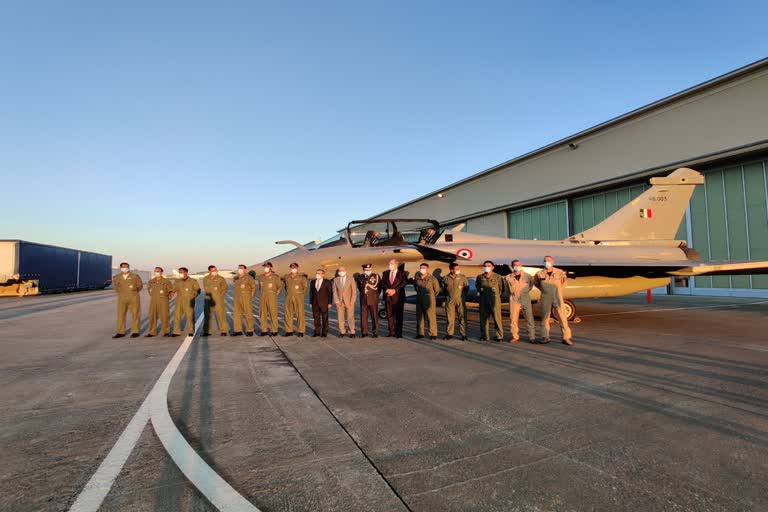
187, 133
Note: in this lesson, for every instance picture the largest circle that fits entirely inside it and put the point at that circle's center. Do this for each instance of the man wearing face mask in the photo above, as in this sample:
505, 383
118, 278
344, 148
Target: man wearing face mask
551, 282
215, 288
245, 289
295, 291
368, 285
427, 289
127, 286
186, 291
160, 290
393, 285
270, 286
345, 296
490, 288
519, 285
321, 298
456, 288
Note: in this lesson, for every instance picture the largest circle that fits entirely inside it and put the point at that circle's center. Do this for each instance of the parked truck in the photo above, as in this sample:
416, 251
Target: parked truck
28, 268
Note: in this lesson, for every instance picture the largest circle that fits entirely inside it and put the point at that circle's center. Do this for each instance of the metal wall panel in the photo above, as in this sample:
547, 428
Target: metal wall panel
545, 222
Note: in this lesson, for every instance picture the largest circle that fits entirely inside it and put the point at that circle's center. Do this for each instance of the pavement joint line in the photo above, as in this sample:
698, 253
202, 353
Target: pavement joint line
155, 409
341, 425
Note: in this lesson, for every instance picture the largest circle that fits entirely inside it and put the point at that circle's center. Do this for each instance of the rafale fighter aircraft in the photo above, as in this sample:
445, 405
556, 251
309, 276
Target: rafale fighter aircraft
632, 250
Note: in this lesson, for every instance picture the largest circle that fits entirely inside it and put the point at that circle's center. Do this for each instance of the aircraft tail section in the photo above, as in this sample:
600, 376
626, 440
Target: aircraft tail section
654, 215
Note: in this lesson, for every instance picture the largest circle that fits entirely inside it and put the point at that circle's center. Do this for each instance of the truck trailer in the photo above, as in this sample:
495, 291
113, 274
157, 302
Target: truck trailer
28, 268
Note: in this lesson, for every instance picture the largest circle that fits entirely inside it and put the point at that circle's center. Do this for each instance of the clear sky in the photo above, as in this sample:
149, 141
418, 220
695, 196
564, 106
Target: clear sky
183, 133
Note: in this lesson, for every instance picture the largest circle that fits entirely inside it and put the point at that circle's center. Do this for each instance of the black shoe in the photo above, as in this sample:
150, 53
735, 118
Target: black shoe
135, 335
274, 334
363, 334
341, 335
300, 335
544, 341
375, 335
262, 333
191, 334
315, 335
118, 335
224, 334
166, 335
391, 335
464, 338
206, 334
324, 335
447, 337
149, 335
237, 333
352, 335
288, 334
533, 341
433, 338
483, 338
399, 336
175, 335
419, 336
249, 333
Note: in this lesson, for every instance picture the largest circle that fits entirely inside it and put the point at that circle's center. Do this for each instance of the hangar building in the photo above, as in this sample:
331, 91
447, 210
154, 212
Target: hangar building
719, 128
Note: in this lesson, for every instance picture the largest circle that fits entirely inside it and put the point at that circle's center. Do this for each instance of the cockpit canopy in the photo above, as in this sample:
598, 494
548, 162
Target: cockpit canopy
389, 232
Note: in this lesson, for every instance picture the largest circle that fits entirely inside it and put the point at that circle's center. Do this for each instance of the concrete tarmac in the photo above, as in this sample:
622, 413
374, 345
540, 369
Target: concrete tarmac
656, 407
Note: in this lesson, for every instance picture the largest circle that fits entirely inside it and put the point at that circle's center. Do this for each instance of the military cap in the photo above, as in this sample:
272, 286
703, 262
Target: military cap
367, 266
294, 265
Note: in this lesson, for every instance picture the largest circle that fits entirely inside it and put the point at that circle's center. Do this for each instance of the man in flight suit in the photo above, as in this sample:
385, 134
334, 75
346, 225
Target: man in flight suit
215, 288
456, 287
490, 287
245, 290
127, 286
551, 282
186, 291
295, 292
270, 286
368, 287
519, 285
160, 290
427, 288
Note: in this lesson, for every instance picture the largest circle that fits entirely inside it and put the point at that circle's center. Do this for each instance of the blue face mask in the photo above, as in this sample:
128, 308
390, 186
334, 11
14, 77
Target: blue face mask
124, 270
548, 264
517, 268
487, 270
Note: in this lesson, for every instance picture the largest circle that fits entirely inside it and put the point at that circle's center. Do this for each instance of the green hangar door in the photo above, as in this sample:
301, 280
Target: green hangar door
545, 222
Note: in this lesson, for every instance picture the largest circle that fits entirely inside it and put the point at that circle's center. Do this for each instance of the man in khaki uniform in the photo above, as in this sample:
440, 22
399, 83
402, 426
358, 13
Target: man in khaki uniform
186, 290
270, 286
245, 290
551, 282
160, 290
456, 286
427, 288
490, 288
127, 286
295, 292
345, 296
215, 288
519, 285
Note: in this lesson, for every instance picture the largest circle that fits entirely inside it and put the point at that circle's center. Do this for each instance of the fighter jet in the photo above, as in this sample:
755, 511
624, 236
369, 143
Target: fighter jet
632, 250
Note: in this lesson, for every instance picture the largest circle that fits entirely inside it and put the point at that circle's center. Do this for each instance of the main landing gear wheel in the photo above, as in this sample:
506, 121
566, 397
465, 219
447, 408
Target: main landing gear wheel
569, 310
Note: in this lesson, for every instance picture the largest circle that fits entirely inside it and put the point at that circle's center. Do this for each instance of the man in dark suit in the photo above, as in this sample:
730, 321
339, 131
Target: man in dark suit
321, 298
393, 283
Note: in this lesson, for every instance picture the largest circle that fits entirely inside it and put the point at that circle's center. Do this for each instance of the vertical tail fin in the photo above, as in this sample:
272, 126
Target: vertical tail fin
654, 215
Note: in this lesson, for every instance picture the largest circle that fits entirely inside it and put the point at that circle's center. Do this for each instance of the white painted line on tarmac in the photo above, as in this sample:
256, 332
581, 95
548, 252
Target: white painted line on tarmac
221, 495
155, 408
710, 306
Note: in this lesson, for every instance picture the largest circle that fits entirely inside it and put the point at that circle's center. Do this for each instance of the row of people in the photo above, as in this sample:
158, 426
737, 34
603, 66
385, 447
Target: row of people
343, 292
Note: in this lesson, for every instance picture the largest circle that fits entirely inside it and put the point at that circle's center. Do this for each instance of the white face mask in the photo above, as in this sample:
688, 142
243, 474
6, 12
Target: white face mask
267, 270
423, 271
156, 274
517, 268
214, 273
456, 271
318, 276
124, 270
548, 264
342, 274
241, 271
487, 270
367, 272
392, 267
294, 270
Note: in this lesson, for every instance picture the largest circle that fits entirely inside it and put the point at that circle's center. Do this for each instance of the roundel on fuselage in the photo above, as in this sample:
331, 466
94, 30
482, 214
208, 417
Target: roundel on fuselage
465, 253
